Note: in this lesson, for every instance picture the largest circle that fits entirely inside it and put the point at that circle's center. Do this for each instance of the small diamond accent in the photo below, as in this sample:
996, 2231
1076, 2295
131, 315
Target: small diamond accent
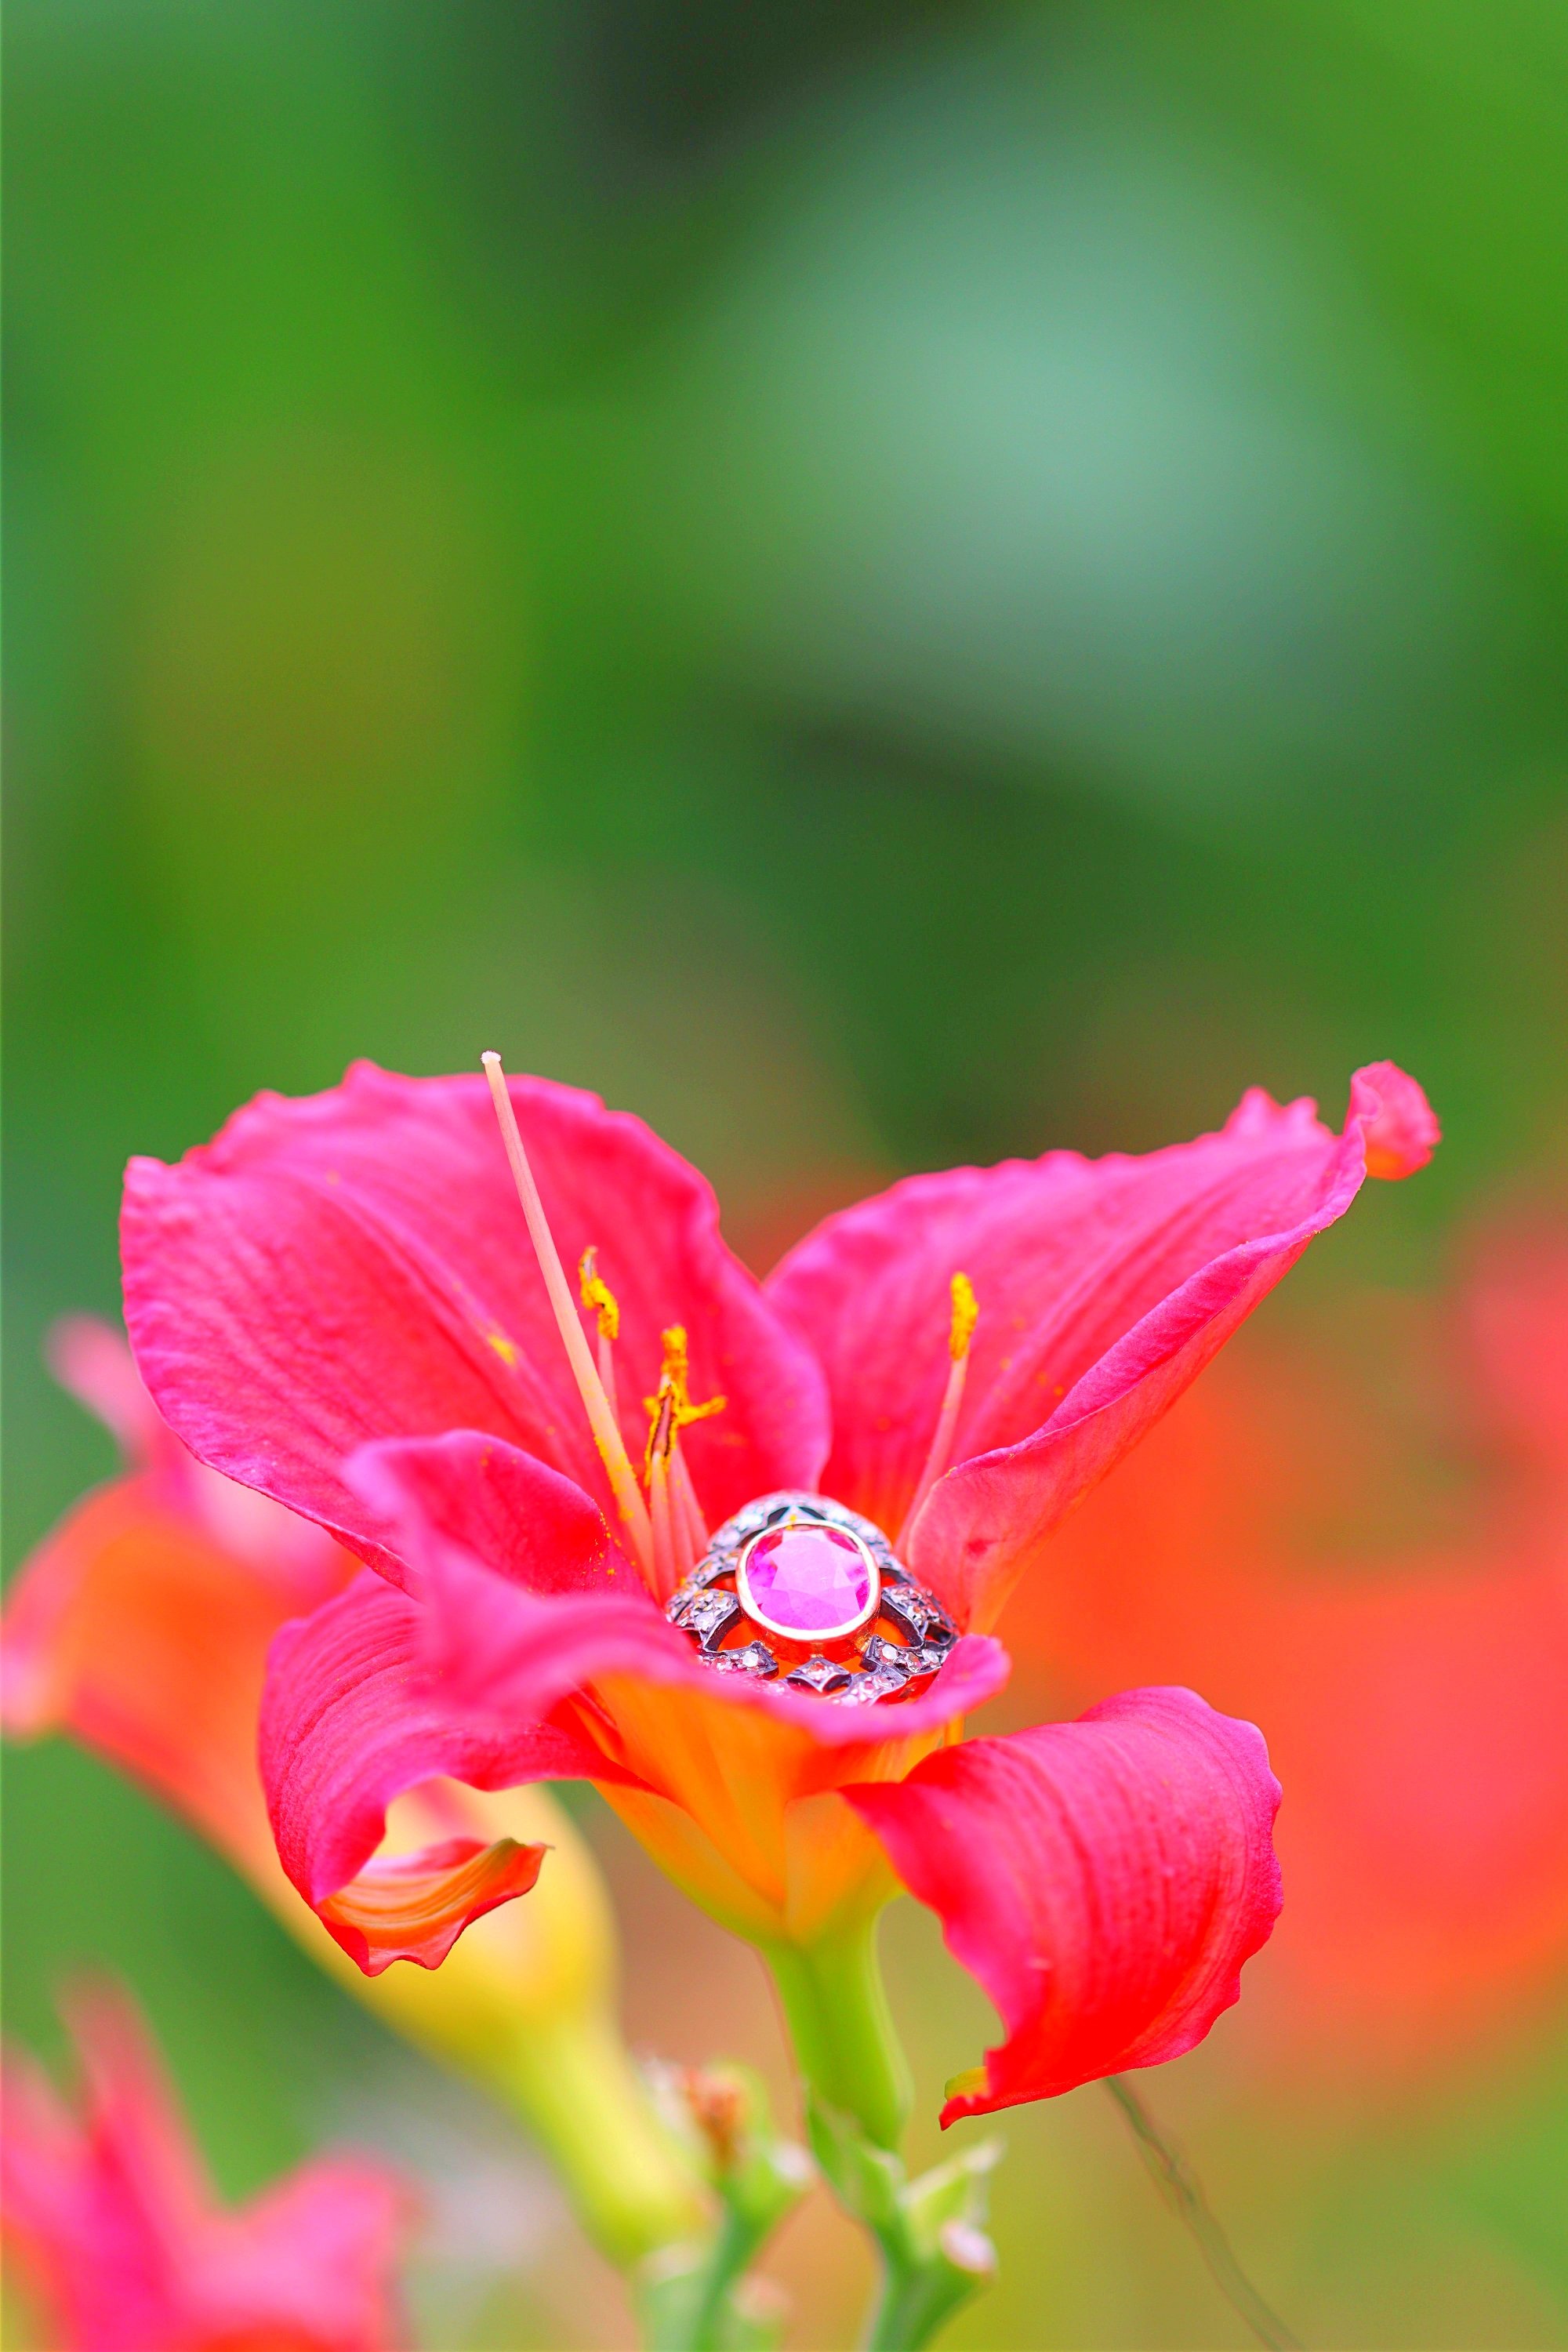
710, 1616
821, 1675
755, 1659
926, 1622
891, 1657
880, 1682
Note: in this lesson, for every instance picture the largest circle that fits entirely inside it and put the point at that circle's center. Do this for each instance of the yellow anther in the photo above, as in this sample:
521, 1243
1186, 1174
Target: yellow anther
597, 1295
660, 1432
965, 1315
672, 1408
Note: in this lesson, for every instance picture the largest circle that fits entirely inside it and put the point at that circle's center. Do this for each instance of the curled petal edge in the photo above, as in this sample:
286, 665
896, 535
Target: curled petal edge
1103, 1881
414, 1907
349, 1723
981, 1524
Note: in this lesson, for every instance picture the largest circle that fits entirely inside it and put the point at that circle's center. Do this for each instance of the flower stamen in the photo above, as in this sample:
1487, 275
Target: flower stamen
668, 1569
961, 1331
602, 1420
685, 1498
671, 1495
602, 1303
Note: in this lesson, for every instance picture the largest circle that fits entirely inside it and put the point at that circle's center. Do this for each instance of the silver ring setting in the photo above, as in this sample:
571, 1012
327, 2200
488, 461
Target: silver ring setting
798, 1586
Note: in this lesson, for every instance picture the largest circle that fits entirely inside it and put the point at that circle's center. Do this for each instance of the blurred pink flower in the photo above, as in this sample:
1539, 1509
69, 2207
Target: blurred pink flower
335, 1303
117, 2231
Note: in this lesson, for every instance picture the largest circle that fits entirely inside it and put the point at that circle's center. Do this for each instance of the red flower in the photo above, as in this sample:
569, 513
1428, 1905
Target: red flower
335, 1303
116, 2228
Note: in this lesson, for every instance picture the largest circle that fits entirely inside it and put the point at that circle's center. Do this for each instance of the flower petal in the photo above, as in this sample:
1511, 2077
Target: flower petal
1104, 1288
93, 1364
348, 1724
1399, 1125
525, 1521
119, 2231
133, 1631
1104, 1880
136, 1631
354, 1265
414, 1907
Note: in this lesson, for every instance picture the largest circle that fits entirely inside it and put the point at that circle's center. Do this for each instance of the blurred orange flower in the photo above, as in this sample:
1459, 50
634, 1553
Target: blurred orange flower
1414, 1683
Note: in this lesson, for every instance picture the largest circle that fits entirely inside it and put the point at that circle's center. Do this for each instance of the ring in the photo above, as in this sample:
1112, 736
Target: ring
800, 1586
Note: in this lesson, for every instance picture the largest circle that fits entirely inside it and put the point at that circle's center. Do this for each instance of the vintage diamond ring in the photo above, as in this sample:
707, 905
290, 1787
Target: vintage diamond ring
798, 1585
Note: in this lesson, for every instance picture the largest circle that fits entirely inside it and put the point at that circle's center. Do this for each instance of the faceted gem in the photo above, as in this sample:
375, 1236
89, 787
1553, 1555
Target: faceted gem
809, 1582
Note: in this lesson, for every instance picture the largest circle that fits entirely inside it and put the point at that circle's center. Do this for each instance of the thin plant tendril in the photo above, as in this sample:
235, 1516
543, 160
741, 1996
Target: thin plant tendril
1183, 2191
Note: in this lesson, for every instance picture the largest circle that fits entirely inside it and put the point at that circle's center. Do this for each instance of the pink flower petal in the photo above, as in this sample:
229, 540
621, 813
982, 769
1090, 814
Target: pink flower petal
118, 2228
93, 1364
1104, 1880
1397, 1121
348, 1723
1105, 1287
524, 1521
354, 1265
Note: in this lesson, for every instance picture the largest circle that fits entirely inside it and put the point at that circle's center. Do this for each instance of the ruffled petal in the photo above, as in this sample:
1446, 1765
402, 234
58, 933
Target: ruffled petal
350, 1721
414, 1907
1398, 1124
1104, 1880
1104, 1287
480, 1494
355, 1265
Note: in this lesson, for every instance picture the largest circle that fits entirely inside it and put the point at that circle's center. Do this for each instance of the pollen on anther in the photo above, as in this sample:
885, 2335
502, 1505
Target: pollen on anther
965, 1315
596, 1294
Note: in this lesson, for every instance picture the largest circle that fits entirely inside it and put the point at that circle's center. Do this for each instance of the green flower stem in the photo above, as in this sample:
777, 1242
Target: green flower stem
935, 2255
633, 2187
702, 2299
845, 2040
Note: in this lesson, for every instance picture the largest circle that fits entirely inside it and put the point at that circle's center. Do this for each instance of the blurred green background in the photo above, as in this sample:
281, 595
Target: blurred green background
884, 583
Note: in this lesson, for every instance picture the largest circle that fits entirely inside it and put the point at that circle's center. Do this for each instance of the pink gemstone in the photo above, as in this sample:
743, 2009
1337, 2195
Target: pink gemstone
812, 1582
